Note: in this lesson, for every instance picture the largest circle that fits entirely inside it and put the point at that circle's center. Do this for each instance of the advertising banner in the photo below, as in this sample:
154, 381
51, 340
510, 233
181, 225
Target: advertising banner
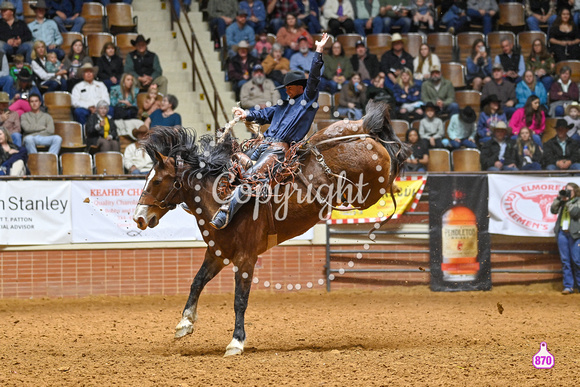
35, 212
520, 205
458, 238
407, 199
103, 212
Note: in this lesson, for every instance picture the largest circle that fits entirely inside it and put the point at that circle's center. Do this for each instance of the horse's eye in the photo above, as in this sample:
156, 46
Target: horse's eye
156, 182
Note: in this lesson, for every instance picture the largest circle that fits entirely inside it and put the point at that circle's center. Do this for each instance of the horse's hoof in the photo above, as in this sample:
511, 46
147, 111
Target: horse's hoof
234, 348
184, 328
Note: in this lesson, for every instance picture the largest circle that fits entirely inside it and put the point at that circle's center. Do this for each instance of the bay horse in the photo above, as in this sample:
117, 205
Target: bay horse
186, 171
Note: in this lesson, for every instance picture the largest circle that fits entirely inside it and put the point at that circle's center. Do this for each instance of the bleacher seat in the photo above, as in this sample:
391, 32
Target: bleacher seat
325, 106
439, 160
550, 131
400, 128
443, 44
494, 41
43, 164
76, 164
59, 105
511, 17
68, 38
465, 42
96, 41
468, 98
71, 133
454, 72
124, 43
574, 65
94, 15
329, 42
378, 43
120, 18
348, 42
28, 12
109, 163
413, 42
466, 160
526, 39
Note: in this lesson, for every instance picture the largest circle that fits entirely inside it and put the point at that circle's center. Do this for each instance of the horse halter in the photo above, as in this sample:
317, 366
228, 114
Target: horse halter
148, 199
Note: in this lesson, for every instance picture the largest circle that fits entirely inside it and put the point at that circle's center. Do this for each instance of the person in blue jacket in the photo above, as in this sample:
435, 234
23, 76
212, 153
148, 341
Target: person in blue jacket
289, 121
67, 13
256, 12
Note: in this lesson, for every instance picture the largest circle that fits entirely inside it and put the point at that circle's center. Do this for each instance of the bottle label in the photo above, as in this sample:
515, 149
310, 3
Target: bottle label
460, 241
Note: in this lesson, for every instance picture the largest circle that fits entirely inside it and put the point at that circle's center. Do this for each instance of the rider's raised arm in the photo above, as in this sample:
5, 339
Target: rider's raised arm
311, 90
262, 116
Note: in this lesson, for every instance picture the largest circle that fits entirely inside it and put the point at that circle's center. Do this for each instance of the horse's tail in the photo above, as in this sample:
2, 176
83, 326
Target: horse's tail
378, 123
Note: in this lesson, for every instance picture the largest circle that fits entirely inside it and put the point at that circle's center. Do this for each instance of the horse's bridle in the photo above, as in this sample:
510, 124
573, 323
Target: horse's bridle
148, 199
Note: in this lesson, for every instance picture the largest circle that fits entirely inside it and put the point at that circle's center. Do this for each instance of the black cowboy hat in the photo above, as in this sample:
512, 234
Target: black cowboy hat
562, 123
294, 78
489, 99
25, 75
140, 38
467, 115
39, 4
430, 105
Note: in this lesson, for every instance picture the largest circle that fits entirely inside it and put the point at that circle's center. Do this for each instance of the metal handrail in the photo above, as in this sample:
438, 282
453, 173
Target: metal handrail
191, 50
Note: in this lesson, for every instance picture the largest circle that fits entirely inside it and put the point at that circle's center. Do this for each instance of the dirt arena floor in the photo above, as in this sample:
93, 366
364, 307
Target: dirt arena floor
396, 336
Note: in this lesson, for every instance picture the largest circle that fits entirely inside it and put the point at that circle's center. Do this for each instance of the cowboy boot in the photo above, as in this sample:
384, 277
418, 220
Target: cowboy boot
227, 211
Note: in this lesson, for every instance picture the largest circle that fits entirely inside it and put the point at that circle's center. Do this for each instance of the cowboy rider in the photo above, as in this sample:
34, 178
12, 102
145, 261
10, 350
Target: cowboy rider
289, 122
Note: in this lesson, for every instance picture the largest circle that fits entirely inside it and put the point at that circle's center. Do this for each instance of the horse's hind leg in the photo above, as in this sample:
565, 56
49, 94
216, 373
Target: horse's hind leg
210, 267
243, 286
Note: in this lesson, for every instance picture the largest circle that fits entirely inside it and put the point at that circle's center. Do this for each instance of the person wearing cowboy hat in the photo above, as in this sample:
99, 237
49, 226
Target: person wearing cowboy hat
240, 66
489, 115
289, 121
573, 117
394, 60
135, 159
499, 154
46, 29
87, 93
259, 92
144, 65
440, 91
39, 128
21, 91
67, 13
238, 31
462, 129
15, 37
561, 153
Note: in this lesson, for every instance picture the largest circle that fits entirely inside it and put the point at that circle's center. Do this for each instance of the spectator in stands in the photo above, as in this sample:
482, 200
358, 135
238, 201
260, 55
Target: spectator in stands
260, 92
575, 4
499, 154
19, 12
408, 95
289, 34
67, 13
338, 17
483, 11
238, 31
165, 115
353, 98
512, 63
367, 17
38, 127
240, 66
136, 160
256, 12
573, 117
365, 63
17, 66
423, 12
528, 86
564, 37
124, 98
6, 81
479, 65
395, 13
110, 66
431, 127
491, 114
505, 91
567, 230
144, 65
541, 62
563, 92
440, 92
12, 157
530, 116
87, 93
540, 12
15, 37
278, 9
303, 58
101, 130
462, 129
10, 120
423, 62
152, 102
528, 154
275, 65
337, 69
379, 92
73, 62
221, 14
21, 91
46, 29
309, 15
394, 60
454, 15
263, 47
50, 81
561, 153
419, 157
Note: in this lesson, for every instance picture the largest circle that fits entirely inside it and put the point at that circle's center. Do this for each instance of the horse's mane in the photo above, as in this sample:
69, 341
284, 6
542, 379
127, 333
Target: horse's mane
206, 156
378, 122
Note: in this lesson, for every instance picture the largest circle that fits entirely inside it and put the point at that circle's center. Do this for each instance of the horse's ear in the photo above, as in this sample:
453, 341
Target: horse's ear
160, 158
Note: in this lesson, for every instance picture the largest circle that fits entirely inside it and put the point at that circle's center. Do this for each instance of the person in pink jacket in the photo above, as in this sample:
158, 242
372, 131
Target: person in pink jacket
530, 116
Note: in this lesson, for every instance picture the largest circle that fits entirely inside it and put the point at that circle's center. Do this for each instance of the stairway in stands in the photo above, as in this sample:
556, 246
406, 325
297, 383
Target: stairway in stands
154, 23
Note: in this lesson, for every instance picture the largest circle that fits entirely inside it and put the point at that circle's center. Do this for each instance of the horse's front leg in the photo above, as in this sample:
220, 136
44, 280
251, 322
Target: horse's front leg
243, 286
210, 267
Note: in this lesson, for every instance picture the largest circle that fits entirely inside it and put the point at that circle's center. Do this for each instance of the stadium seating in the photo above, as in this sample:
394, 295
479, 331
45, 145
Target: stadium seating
511, 17
120, 18
574, 65
124, 43
466, 160
71, 133
443, 44
439, 160
454, 72
94, 15
59, 105
43, 164
400, 128
68, 38
96, 41
465, 42
413, 42
526, 39
378, 43
468, 98
494, 41
109, 163
348, 42
76, 164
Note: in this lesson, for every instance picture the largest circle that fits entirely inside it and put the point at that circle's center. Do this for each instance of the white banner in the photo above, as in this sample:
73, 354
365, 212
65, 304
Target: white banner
103, 212
35, 212
520, 205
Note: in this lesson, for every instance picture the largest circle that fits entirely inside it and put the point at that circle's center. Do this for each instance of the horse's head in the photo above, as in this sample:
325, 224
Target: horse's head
162, 191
